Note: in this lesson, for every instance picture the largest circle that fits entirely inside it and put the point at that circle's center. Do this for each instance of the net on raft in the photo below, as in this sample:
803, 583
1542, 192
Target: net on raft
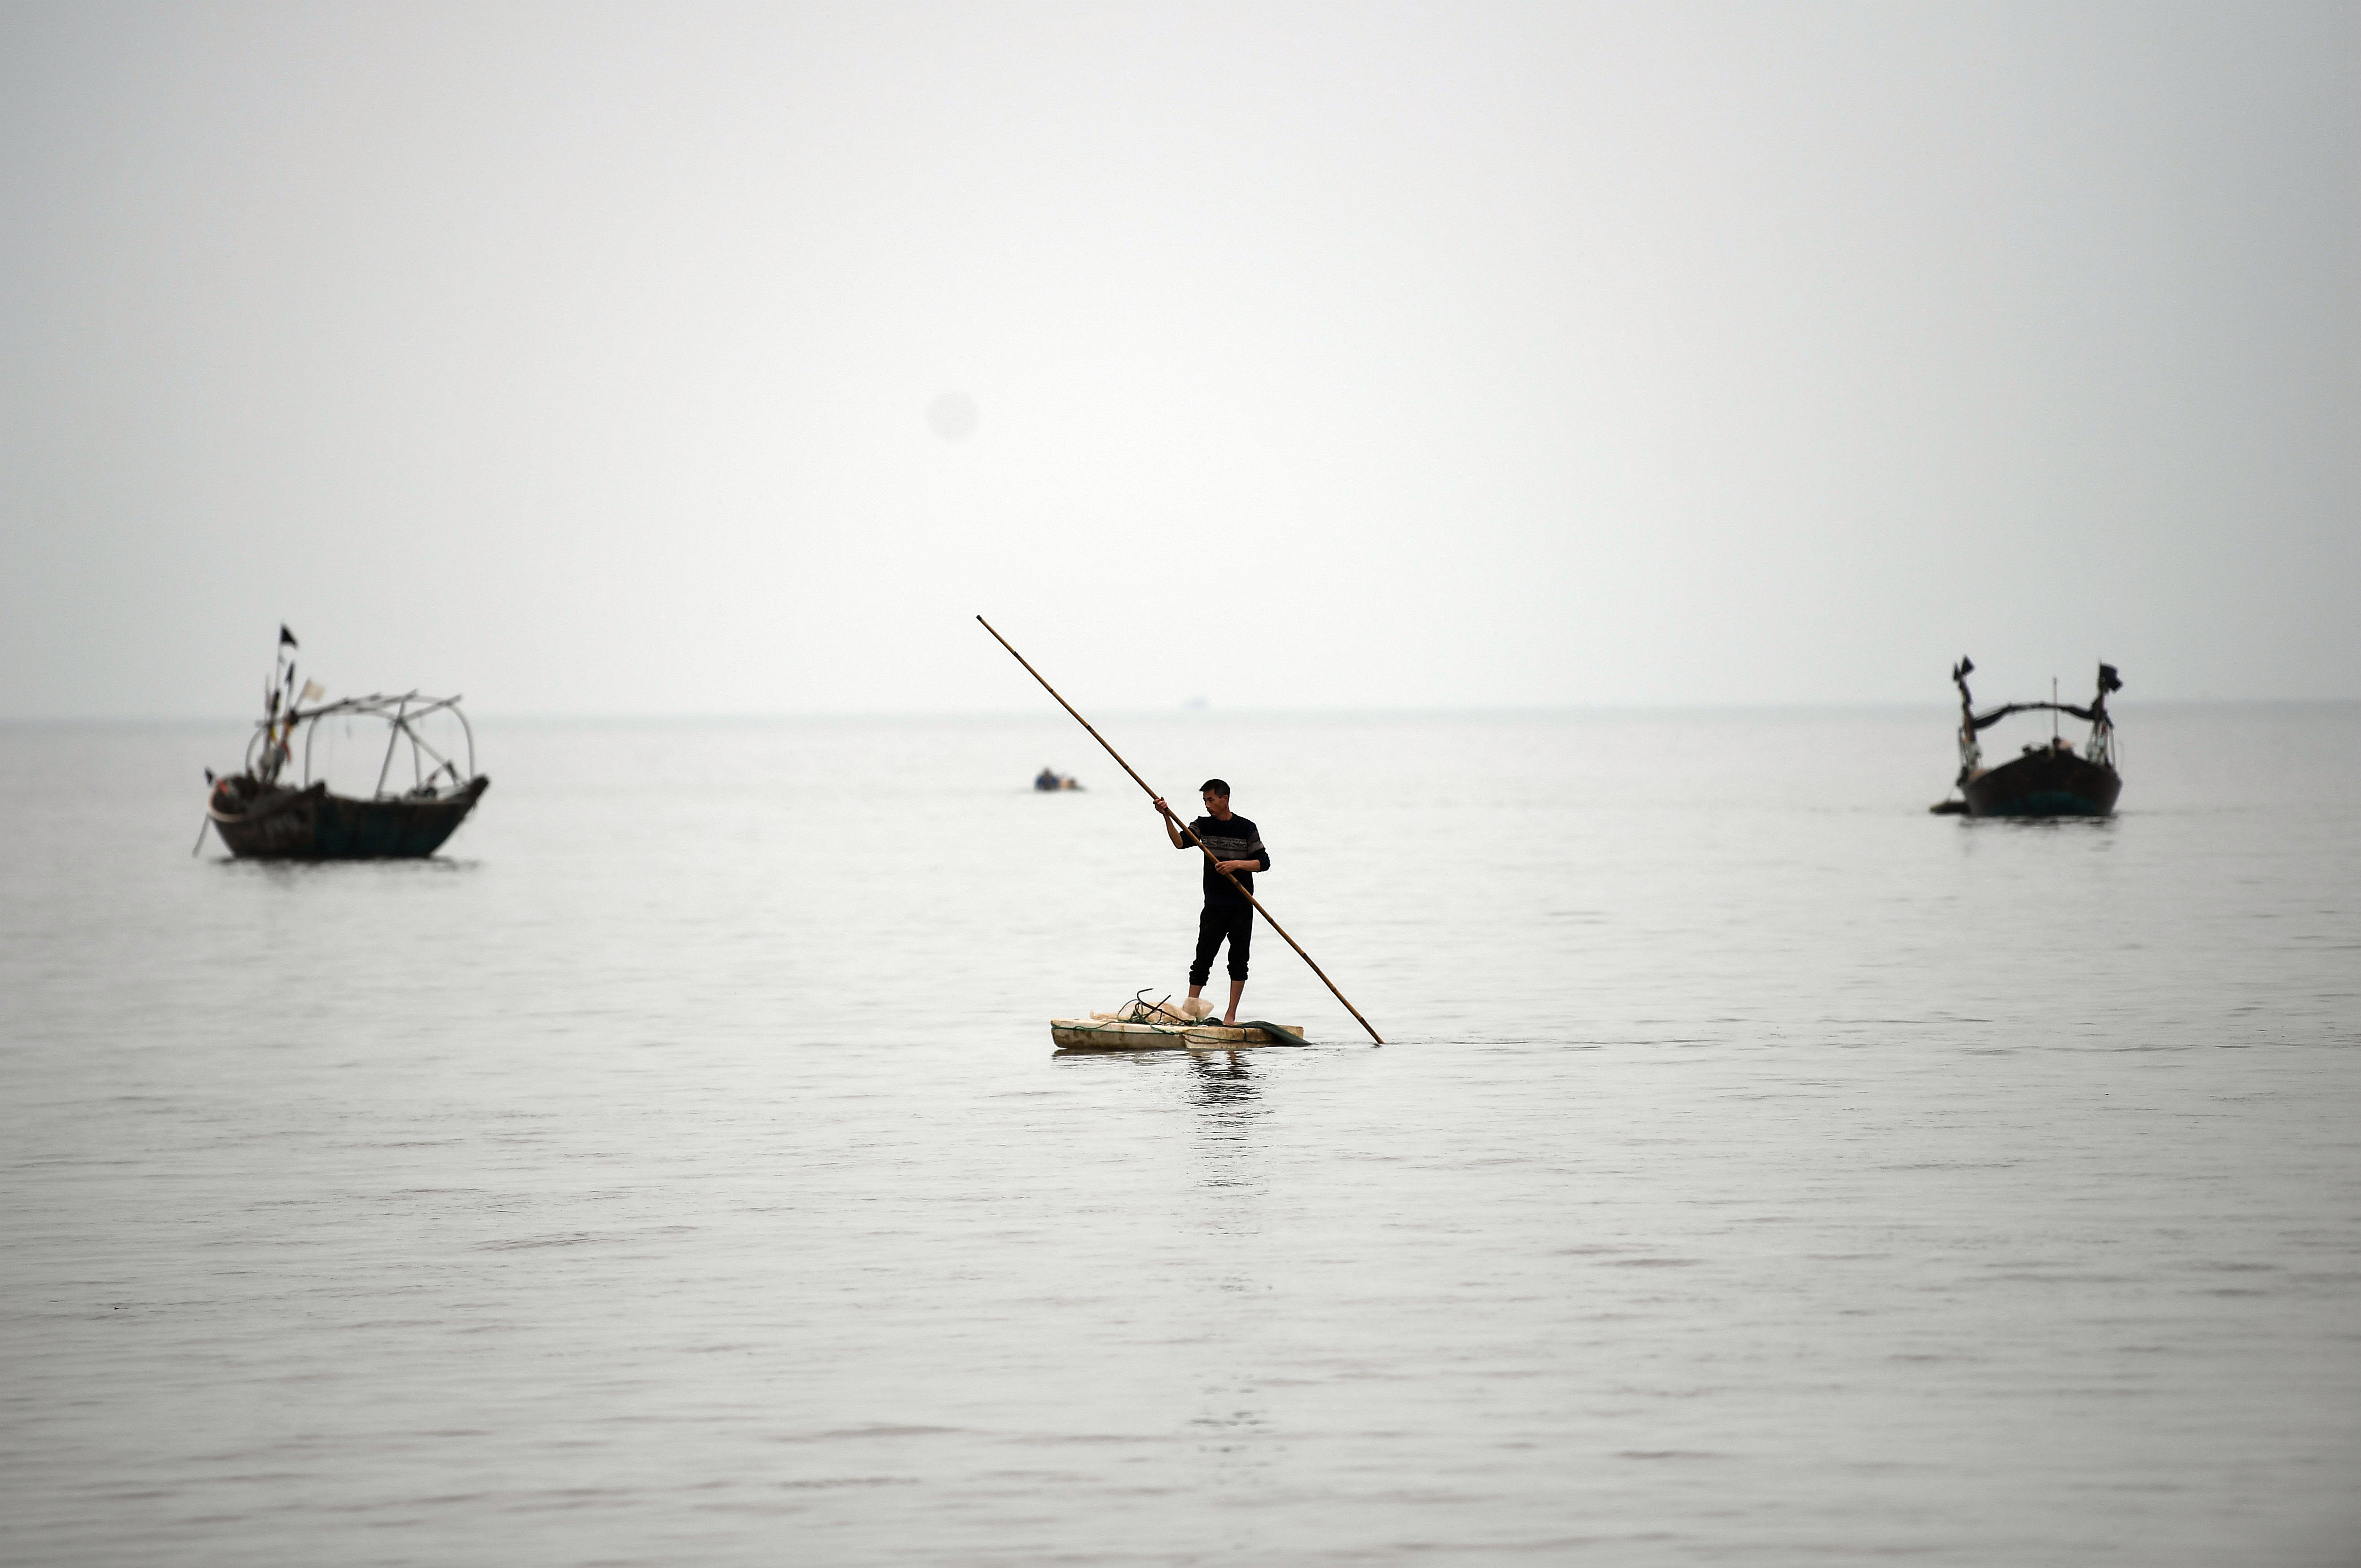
1140, 1010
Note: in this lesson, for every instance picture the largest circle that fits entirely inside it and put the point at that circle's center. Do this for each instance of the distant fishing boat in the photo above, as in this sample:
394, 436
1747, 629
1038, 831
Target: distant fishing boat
2051, 780
258, 816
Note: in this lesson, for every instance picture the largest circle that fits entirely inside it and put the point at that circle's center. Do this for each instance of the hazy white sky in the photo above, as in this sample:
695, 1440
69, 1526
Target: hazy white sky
617, 359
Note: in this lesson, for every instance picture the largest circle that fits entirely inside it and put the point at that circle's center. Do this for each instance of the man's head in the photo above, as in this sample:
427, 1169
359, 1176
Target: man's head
1217, 797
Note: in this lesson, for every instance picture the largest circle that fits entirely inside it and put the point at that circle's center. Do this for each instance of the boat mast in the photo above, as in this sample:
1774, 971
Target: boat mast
2102, 747
278, 701
1969, 752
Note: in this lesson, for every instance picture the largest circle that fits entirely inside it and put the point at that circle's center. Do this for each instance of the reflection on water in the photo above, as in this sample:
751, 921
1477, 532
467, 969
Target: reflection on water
1232, 1421
1223, 1090
1221, 1078
430, 865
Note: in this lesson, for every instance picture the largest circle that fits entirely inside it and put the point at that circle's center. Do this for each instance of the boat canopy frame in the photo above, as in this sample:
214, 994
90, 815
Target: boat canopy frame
399, 712
2100, 748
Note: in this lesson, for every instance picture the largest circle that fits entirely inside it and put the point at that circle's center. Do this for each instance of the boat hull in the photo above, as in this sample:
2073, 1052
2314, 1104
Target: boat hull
313, 825
2050, 781
1107, 1034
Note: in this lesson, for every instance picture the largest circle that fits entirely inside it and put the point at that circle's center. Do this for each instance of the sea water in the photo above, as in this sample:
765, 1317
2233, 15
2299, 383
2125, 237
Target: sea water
676, 1168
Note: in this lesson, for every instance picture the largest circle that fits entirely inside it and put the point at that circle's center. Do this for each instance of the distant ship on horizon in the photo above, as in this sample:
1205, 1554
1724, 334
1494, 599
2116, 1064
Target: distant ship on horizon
2042, 781
256, 815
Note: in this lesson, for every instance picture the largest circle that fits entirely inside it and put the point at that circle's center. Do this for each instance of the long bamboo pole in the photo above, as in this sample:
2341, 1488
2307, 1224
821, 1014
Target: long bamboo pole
1143, 784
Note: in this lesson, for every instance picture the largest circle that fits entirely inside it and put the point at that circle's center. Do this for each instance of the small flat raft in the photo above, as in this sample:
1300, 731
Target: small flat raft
1154, 1026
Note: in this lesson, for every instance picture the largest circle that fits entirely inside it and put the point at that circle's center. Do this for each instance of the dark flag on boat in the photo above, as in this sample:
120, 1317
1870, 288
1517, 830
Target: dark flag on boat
287, 638
2108, 680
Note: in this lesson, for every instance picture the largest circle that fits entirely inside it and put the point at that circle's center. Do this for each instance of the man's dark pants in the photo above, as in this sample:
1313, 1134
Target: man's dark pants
1220, 922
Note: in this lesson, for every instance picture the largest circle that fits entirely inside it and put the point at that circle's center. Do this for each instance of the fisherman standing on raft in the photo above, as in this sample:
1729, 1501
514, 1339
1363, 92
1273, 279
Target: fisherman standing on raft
1234, 845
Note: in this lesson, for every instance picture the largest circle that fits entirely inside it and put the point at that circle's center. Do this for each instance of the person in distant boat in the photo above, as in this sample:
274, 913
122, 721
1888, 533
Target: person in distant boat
1046, 779
1235, 846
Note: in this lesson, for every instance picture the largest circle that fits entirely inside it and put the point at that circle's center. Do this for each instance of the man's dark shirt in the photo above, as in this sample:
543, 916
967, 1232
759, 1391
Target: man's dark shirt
1236, 839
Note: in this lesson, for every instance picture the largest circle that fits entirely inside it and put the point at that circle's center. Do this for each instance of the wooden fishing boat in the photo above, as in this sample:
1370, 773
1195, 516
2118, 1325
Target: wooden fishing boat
1140, 1026
272, 822
2052, 780
259, 815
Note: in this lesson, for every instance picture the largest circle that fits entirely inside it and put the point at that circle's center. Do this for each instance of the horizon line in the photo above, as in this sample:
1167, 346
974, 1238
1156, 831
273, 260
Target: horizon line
1192, 710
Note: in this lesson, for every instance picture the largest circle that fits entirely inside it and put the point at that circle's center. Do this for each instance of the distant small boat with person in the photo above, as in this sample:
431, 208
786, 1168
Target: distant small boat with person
1050, 780
259, 815
2052, 780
